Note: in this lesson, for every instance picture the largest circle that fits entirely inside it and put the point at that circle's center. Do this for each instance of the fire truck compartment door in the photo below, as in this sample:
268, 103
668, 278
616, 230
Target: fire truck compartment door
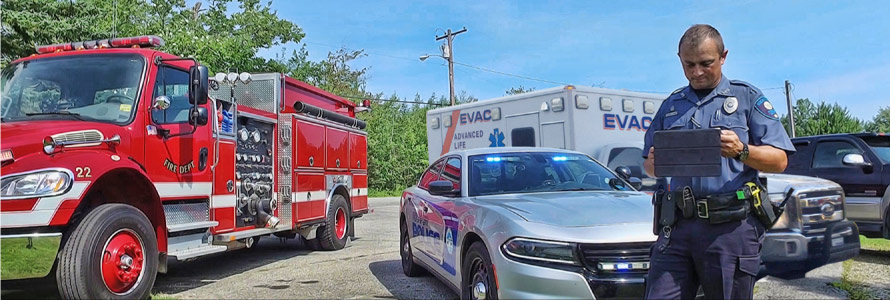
553, 135
337, 149
522, 130
310, 140
358, 148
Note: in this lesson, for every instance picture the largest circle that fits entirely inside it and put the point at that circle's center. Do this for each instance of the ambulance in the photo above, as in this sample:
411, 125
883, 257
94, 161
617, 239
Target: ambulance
610, 125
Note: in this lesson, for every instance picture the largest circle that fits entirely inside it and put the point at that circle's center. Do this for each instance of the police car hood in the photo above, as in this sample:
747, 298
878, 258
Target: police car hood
577, 208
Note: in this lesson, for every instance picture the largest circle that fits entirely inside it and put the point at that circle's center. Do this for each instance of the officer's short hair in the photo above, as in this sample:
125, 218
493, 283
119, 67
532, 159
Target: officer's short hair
696, 34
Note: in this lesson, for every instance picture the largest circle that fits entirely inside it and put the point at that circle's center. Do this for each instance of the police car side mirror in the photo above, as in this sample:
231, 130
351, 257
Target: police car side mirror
623, 172
636, 183
443, 188
198, 85
198, 116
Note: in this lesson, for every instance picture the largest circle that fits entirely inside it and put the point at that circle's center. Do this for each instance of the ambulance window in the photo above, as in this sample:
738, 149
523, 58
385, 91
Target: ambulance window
522, 137
172, 83
627, 157
451, 172
431, 174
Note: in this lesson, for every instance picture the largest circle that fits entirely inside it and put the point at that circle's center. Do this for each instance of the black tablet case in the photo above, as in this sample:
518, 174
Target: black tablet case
691, 152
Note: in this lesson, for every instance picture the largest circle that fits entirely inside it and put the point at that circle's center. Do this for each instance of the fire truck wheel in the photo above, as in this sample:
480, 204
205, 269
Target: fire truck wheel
478, 279
111, 254
335, 232
409, 267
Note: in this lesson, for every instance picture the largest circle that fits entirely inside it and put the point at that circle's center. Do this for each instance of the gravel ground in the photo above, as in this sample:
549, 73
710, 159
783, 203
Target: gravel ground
871, 271
370, 269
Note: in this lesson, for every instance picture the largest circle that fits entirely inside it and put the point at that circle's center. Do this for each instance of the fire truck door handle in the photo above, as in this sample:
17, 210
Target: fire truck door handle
202, 159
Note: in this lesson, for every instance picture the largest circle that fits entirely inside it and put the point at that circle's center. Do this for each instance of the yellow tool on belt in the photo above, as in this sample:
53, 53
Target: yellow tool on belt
767, 215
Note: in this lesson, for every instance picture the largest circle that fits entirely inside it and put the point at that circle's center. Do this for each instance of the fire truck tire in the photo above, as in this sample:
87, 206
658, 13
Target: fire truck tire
409, 267
111, 254
335, 232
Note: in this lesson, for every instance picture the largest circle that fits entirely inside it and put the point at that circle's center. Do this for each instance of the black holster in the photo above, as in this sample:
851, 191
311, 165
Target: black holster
764, 209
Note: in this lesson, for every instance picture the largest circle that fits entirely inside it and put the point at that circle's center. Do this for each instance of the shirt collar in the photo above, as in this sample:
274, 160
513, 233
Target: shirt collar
721, 89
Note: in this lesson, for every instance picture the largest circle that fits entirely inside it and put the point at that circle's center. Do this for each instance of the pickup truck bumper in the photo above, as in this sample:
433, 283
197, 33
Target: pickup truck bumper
28, 255
791, 254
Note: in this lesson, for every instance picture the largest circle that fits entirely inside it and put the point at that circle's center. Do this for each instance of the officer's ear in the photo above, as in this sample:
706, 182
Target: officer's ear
723, 57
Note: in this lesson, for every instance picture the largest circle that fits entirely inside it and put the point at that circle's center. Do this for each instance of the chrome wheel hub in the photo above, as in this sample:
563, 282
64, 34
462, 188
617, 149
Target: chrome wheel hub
479, 291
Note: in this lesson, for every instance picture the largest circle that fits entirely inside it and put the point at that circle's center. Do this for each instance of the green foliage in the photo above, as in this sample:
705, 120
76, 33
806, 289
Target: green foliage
823, 118
881, 121
517, 90
223, 40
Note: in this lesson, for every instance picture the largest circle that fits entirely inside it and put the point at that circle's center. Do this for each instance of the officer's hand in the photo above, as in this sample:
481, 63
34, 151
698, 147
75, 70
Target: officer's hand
651, 156
730, 145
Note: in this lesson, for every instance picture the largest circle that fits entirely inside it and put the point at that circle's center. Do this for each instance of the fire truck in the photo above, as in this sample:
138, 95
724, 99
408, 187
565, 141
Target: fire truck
117, 156
609, 125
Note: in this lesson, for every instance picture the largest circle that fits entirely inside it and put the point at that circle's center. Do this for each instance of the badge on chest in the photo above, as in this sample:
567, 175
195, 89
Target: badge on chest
730, 105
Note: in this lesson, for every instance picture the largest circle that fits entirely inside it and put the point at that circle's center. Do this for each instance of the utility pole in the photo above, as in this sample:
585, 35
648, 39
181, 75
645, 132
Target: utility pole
790, 107
447, 53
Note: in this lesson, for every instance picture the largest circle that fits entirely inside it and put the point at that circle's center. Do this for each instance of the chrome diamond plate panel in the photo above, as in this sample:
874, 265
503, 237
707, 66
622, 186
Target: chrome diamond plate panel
285, 209
259, 94
186, 213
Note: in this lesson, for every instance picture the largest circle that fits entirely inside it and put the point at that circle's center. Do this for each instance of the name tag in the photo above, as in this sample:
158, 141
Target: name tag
670, 114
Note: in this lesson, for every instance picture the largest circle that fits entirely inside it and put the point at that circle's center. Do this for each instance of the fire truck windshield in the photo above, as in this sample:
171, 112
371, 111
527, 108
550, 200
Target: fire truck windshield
89, 87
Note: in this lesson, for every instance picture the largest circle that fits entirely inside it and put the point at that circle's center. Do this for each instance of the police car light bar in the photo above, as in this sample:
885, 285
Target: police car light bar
145, 41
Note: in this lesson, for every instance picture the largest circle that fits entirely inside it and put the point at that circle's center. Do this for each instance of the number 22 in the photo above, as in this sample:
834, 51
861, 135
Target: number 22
83, 172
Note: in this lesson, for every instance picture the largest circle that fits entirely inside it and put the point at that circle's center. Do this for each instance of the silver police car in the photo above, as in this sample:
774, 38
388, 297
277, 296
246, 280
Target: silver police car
530, 223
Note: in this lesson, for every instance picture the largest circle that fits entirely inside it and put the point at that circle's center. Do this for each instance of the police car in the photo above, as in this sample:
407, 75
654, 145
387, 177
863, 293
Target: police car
527, 223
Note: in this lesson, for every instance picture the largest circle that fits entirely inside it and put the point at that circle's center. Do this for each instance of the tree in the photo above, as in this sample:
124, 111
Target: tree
823, 118
881, 121
221, 39
518, 90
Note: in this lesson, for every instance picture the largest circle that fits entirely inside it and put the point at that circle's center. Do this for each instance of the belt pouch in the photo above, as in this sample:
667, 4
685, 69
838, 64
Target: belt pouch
657, 199
728, 214
686, 202
668, 210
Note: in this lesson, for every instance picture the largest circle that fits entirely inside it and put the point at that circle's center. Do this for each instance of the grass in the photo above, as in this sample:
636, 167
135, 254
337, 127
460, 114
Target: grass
384, 193
854, 290
31, 261
162, 297
877, 244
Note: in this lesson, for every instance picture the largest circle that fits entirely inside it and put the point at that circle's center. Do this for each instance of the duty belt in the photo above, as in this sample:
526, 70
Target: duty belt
716, 208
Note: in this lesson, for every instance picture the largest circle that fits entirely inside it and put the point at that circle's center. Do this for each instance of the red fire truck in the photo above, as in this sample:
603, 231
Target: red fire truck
116, 157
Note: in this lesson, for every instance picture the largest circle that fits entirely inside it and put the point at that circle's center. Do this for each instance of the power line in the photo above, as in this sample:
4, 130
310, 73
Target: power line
508, 74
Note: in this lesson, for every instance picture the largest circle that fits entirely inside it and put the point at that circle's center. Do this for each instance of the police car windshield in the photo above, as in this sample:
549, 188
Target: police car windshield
91, 87
506, 173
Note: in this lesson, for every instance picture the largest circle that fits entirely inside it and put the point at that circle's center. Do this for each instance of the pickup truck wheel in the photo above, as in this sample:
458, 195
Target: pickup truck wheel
885, 230
409, 267
111, 254
335, 231
478, 280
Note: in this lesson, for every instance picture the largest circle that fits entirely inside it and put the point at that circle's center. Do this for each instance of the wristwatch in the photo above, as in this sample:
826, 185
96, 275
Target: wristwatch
743, 155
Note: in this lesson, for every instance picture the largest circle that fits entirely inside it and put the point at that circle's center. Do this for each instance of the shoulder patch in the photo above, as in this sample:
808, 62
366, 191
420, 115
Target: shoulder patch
765, 108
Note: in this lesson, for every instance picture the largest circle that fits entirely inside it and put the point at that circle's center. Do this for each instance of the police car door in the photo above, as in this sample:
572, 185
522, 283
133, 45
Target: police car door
442, 219
419, 226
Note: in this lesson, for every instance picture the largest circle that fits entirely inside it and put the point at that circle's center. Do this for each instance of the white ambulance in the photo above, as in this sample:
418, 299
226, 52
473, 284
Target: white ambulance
610, 125
604, 123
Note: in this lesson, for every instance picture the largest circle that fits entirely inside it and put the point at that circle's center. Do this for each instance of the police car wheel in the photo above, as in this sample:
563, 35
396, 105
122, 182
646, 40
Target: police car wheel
335, 232
478, 279
409, 267
111, 254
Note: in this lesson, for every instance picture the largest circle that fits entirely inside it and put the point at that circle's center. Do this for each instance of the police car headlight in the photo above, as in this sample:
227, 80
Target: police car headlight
541, 251
38, 184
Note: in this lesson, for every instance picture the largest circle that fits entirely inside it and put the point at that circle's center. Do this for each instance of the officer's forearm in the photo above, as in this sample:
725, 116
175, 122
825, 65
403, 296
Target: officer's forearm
766, 158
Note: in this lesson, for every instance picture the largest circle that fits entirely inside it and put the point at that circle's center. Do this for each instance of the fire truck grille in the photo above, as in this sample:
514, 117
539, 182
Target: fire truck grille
184, 213
84, 136
259, 94
283, 167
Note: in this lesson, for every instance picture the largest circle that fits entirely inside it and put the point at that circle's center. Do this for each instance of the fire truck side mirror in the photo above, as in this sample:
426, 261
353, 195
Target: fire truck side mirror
199, 83
198, 116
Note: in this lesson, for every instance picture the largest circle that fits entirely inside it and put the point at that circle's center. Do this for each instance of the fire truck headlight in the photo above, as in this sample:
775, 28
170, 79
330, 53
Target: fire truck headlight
39, 184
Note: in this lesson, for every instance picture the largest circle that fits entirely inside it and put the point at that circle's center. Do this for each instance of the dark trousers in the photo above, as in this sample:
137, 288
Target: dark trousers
723, 258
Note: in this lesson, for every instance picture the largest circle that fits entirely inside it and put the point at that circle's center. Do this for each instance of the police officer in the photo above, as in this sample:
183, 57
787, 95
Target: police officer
723, 258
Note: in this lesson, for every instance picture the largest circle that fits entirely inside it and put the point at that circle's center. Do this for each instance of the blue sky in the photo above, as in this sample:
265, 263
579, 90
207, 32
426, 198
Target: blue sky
831, 51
